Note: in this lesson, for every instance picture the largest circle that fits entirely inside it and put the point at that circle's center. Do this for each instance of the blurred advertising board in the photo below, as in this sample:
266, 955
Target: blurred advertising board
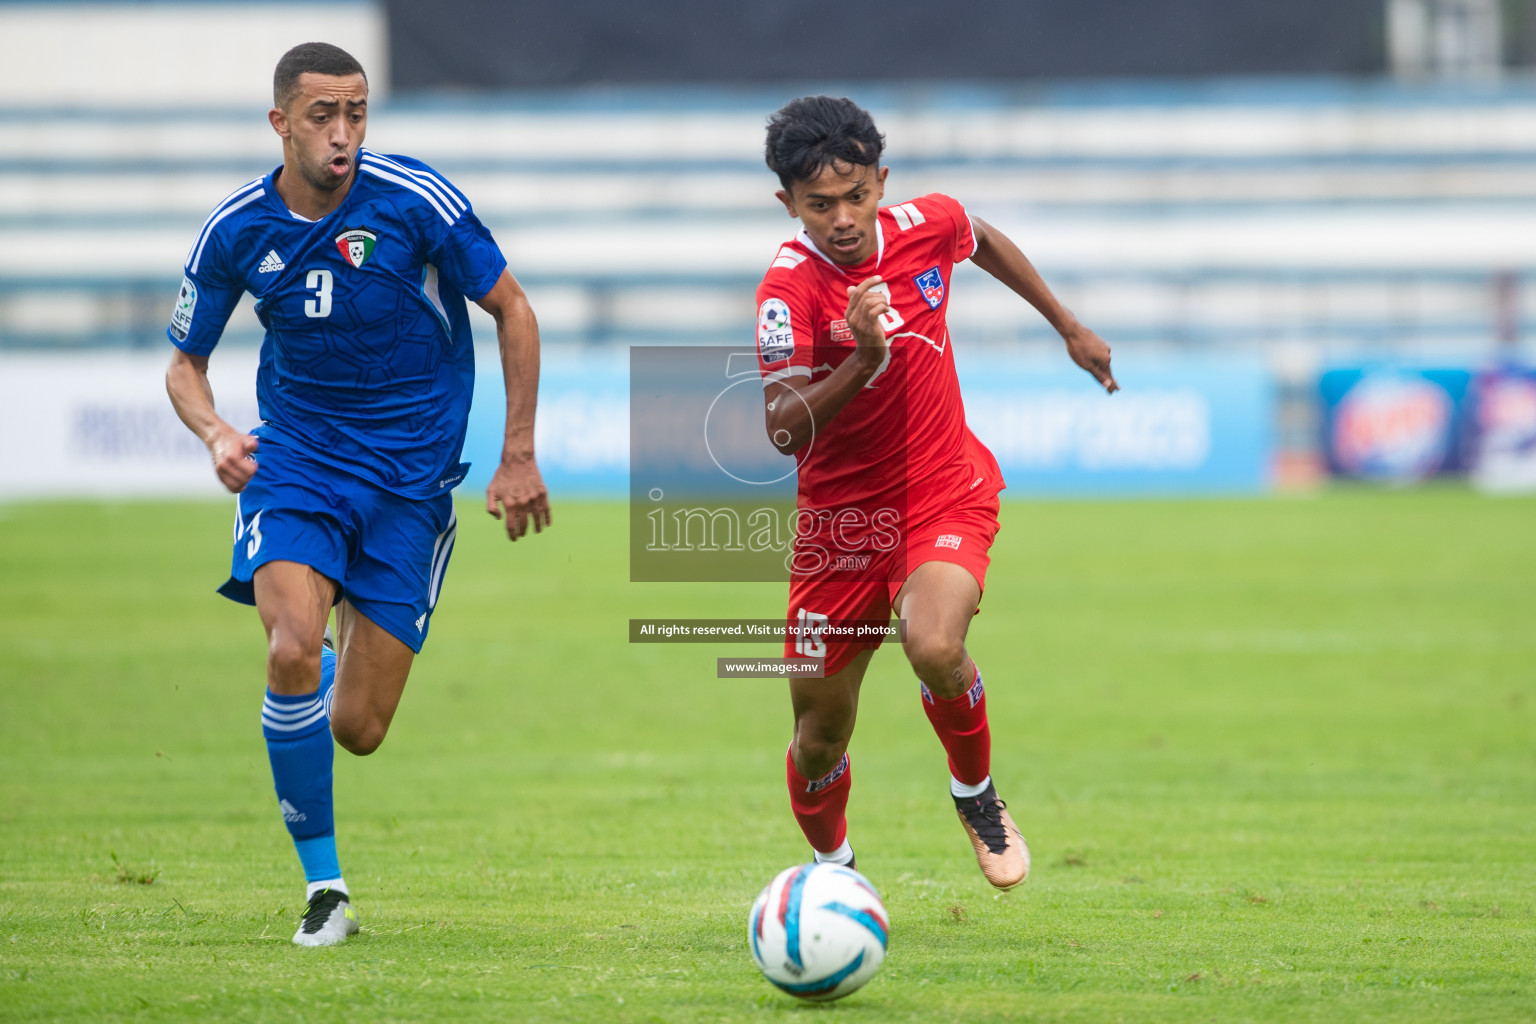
1504, 414
98, 423
1182, 424
581, 433
1395, 423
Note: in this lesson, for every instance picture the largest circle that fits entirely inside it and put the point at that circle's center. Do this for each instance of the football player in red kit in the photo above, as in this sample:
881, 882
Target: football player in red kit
898, 500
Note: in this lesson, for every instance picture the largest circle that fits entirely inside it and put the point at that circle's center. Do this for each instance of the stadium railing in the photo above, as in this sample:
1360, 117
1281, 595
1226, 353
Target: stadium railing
1348, 218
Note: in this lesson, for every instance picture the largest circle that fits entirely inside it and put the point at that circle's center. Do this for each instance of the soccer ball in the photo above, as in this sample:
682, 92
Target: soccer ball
818, 931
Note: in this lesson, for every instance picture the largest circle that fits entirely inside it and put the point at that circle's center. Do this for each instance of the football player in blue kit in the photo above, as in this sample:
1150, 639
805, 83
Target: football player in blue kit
360, 264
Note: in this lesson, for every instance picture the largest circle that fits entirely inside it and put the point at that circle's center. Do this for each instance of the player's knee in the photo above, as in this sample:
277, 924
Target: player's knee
935, 658
819, 746
291, 666
364, 743
360, 736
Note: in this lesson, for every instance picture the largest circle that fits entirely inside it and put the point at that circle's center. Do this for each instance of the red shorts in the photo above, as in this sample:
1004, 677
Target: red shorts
961, 534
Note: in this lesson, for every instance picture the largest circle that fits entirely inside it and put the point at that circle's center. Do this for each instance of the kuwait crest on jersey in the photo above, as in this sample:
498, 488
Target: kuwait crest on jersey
356, 245
931, 284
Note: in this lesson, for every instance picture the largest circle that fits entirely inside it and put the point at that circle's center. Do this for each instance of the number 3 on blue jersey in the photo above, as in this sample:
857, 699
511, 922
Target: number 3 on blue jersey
320, 282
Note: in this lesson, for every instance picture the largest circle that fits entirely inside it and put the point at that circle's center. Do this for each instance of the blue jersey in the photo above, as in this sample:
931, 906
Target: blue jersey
367, 363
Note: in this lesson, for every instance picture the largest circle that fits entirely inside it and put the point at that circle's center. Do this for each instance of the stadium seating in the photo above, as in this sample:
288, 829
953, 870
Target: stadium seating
1345, 218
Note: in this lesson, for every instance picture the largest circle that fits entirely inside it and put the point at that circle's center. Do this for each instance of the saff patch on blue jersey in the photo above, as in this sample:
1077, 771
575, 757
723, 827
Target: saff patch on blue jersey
930, 284
186, 304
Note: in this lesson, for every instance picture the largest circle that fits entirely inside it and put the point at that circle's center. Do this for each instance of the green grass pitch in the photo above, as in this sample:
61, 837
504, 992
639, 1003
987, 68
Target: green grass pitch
1275, 760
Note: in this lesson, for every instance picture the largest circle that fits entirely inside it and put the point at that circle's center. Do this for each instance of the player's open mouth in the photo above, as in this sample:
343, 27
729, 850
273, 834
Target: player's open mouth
848, 244
339, 164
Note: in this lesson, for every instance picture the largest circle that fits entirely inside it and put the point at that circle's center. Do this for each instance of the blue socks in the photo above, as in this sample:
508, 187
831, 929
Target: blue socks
318, 855
299, 745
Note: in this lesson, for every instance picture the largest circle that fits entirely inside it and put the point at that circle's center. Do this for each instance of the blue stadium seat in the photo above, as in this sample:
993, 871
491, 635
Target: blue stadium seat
1260, 215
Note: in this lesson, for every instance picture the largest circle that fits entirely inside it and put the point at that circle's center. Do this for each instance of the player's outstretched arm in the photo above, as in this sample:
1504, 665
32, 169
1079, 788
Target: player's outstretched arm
794, 418
517, 487
998, 256
186, 381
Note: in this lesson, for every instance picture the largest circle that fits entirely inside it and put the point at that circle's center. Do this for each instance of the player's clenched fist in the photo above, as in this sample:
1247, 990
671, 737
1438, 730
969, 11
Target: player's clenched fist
866, 305
234, 459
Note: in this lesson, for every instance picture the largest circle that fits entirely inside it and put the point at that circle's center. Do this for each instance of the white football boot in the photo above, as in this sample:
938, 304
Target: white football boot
328, 920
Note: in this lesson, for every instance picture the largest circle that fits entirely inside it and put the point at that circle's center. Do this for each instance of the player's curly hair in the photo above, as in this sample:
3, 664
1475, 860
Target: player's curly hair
807, 134
319, 58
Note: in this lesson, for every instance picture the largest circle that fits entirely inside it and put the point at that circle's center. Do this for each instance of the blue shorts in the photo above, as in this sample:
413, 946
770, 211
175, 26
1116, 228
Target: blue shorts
387, 554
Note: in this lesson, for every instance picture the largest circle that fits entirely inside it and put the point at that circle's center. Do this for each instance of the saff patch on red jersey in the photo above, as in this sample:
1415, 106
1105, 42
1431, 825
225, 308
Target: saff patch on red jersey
930, 284
775, 334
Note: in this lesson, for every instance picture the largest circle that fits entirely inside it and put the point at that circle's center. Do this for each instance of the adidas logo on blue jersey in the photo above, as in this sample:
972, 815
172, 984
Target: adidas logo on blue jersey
271, 263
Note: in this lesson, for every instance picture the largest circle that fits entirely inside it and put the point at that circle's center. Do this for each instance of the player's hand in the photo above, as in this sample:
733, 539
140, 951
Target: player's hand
518, 488
234, 459
1090, 351
865, 308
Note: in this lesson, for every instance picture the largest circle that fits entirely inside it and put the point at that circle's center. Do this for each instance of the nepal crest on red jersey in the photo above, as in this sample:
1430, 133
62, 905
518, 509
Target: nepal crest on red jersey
930, 284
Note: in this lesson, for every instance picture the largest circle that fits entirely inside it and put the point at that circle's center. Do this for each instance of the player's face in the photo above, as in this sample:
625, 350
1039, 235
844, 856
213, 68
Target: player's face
839, 208
323, 127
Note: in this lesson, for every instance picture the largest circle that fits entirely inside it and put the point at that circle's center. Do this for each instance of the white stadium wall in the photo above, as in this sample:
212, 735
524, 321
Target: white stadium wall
57, 55
1346, 221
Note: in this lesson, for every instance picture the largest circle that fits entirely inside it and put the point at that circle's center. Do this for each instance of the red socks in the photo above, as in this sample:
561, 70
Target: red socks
820, 805
961, 724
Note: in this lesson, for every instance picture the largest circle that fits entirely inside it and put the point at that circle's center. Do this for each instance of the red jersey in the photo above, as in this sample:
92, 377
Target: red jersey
903, 438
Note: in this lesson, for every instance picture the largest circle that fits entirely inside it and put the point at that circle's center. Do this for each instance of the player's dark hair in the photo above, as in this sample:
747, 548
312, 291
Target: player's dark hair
807, 134
318, 58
